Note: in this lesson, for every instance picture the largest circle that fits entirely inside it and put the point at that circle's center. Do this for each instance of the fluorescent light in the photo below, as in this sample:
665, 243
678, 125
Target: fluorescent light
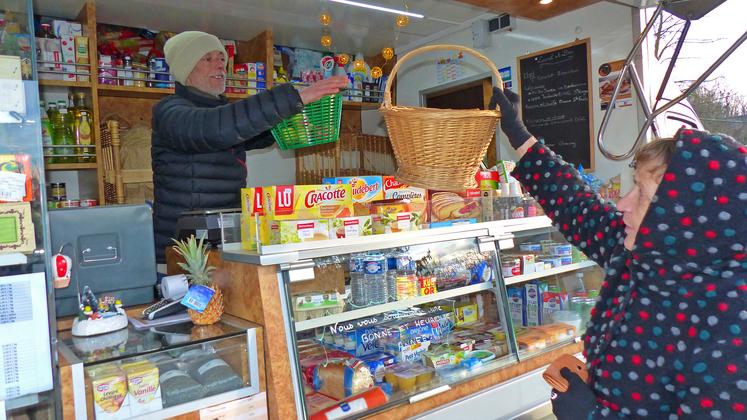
379, 8
545, 1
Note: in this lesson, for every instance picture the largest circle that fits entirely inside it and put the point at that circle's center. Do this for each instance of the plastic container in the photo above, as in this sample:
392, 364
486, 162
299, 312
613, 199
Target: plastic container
571, 318
359, 297
374, 272
408, 377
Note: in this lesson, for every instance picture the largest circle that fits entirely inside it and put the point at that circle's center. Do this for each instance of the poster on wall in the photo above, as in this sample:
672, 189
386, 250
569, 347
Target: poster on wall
506, 77
609, 75
449, 68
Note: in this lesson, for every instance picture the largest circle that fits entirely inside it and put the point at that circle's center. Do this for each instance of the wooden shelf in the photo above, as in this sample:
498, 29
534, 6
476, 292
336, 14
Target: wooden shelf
134, 91
360, 105
70, 166
64, 83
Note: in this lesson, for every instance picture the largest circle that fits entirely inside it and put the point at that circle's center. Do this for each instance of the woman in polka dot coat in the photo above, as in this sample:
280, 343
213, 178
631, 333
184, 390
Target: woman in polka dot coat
667, 337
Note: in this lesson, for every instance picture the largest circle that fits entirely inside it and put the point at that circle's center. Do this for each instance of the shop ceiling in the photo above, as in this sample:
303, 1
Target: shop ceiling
296, 23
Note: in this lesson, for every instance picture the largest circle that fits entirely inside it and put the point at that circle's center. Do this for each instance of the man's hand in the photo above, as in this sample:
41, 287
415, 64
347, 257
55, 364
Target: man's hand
325, 87
578, 403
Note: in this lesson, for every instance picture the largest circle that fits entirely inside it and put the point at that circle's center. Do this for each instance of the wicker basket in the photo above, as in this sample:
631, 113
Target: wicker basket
438, 148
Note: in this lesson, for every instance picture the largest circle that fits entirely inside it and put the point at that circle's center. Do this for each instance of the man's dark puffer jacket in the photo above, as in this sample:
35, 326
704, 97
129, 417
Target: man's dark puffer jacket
198, 150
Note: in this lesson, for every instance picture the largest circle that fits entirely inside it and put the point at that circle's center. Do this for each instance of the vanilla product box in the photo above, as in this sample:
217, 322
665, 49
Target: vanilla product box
143, 389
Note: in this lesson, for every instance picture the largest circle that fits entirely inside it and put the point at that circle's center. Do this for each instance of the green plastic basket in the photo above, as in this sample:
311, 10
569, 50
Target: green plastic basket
318, 123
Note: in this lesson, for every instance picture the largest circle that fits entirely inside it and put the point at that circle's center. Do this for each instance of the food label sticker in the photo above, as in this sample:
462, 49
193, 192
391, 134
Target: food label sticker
305, 230
198, 297
12, 186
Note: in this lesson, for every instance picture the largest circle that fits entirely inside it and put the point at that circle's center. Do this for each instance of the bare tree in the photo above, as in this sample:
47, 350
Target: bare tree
721, 109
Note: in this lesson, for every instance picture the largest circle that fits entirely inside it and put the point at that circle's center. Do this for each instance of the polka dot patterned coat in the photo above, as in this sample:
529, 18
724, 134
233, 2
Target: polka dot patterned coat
667, 337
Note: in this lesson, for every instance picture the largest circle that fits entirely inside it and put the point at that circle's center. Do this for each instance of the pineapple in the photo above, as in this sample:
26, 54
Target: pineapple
195, 255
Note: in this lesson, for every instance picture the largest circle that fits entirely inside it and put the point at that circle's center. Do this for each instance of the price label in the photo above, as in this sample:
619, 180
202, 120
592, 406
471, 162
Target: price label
198, 297
428, 285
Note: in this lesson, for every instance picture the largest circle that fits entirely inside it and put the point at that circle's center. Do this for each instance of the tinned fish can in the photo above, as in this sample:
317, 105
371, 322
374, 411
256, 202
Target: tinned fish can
70, 203
89, 202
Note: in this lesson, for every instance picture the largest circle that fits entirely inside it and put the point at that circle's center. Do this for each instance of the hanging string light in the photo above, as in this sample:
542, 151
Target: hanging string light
387, 53
402, 21
324, 18
326, 41
359, 65
343, 59
376, 72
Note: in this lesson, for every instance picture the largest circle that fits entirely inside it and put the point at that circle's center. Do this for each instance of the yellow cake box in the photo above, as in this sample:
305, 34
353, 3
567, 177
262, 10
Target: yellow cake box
109, 388
143, 389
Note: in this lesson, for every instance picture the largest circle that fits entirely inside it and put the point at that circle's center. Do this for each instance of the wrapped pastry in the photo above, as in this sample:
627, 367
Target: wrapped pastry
341, 379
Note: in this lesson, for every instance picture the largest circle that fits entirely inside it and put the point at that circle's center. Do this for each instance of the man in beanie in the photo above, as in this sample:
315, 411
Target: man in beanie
199, 139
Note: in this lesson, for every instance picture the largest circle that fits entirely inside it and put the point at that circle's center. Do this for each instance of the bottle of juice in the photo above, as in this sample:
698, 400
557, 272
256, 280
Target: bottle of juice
84, 128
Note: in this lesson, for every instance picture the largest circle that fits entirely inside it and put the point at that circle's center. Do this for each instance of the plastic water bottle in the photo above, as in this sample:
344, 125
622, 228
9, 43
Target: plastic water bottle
374, 269
357, 281
391, 277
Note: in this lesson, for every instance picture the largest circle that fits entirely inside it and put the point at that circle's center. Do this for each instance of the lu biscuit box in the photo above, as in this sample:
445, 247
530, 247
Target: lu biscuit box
301, 202
253, 218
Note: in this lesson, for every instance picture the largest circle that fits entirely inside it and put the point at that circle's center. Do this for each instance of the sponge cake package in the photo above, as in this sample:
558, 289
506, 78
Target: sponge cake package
447, 205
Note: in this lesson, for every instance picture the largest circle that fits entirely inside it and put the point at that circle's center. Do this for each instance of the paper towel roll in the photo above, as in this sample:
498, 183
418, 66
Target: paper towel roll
174, 287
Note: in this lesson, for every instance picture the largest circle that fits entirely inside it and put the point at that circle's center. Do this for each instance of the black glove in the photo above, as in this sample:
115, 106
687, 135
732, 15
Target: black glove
578, 403
511, 124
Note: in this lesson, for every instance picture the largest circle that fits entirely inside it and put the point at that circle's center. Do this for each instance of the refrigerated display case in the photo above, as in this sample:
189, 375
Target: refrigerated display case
374, 324
161, 371
26, 316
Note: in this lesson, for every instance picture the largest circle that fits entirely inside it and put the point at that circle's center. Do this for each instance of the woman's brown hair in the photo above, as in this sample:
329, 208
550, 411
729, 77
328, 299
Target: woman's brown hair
660, 150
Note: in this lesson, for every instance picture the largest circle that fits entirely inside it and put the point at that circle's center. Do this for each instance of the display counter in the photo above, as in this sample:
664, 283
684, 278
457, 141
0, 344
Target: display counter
161, 372
414, 320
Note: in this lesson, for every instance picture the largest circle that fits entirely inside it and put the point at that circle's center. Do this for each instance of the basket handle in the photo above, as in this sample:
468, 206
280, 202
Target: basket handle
387, 103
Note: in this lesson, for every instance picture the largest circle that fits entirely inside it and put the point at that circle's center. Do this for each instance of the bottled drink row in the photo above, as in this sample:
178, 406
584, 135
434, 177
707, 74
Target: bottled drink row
67, 130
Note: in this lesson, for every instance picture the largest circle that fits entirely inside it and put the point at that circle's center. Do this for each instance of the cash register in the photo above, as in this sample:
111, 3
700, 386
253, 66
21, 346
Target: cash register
215, 226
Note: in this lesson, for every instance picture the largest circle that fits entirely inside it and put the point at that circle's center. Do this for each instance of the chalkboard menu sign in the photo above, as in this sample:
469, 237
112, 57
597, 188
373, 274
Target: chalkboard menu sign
555, 88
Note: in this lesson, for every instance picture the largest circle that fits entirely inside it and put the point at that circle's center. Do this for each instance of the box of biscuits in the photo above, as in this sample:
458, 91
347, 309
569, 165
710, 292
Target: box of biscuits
448, 205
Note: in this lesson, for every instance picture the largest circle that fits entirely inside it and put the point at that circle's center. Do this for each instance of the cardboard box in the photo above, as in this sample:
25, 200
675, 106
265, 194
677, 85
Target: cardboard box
365, 190
66, 32
143, 389
82, 57
109, 389
395, 190
465, 313
516, 305
533, 297
296, 231
254, 227
304, 202
351, 227
446, 205
49, 51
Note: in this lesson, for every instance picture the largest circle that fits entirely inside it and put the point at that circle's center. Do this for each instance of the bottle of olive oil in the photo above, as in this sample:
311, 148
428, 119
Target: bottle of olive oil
84, 128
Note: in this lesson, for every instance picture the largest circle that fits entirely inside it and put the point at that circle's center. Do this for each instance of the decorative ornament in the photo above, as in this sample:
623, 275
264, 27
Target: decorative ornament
343, 59
402, 21
325, 19
376, 72
359, 65
326, 41
387, 53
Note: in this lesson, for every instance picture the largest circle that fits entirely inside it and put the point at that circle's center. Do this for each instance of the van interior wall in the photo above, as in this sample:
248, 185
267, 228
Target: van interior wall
610, 28
270, 166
